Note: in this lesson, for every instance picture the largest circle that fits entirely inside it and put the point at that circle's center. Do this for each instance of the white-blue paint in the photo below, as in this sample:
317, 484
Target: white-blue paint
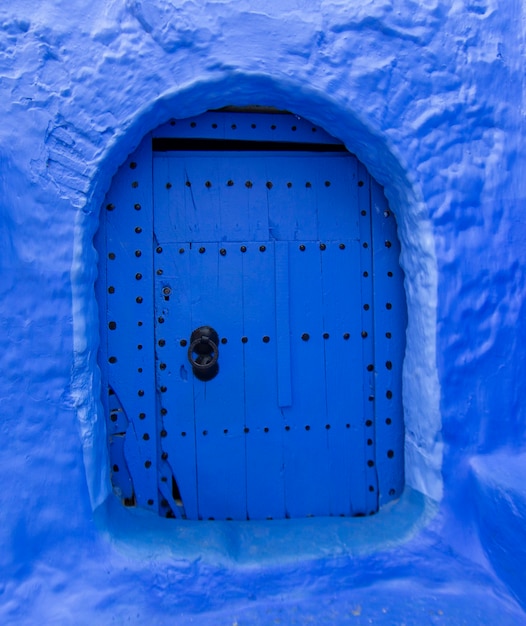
429, 96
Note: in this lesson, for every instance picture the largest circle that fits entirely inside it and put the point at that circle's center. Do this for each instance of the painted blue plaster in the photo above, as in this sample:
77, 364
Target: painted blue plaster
429, 95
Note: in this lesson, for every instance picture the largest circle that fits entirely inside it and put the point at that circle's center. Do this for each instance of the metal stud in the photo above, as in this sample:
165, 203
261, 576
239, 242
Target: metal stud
262, 248
137, 207
248, 184
302, 248
322, 246
222, 252
110, 207
168, 185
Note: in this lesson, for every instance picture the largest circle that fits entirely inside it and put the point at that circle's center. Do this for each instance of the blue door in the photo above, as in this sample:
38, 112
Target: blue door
272, 368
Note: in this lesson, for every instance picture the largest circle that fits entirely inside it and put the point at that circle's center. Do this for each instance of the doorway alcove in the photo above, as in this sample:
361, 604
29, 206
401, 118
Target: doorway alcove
262, 227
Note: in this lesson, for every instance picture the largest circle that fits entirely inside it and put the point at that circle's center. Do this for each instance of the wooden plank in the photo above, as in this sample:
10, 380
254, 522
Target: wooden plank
264, 422
216, 287
343, 372
282, 314
305, 452
390, 326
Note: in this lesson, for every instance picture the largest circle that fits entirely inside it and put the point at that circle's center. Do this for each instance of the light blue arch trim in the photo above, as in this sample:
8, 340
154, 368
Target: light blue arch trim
421, 394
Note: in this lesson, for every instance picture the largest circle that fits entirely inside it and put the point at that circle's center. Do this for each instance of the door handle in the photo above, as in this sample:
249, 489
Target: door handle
203, 353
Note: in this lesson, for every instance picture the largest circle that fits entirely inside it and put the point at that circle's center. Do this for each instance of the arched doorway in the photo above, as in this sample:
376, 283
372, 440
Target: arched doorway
261, 226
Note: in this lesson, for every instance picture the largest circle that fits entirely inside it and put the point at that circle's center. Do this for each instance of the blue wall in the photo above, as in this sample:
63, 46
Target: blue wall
429, 96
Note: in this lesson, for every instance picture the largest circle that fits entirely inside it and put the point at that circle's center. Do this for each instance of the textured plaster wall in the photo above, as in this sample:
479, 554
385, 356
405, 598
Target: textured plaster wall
429, 95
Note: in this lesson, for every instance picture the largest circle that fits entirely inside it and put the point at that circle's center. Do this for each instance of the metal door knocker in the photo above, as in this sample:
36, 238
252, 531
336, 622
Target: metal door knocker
203, 353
